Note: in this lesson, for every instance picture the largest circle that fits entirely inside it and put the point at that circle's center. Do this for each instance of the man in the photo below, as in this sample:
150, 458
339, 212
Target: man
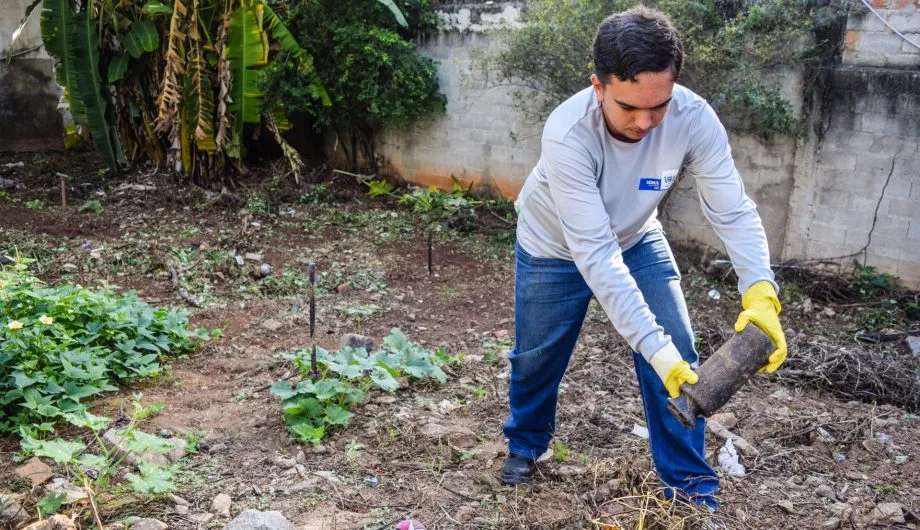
588, 227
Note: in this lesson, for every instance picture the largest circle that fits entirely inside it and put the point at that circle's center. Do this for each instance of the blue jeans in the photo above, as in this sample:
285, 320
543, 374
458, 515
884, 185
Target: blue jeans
550, 302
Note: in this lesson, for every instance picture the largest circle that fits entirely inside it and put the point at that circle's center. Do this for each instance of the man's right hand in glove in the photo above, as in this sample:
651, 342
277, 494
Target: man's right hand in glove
672, 369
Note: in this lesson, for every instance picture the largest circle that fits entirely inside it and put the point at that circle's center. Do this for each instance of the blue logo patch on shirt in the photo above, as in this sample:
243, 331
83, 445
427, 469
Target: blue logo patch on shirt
650, 184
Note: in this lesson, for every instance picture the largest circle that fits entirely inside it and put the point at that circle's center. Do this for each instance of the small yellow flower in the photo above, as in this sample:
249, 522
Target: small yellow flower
46, 320
14, 325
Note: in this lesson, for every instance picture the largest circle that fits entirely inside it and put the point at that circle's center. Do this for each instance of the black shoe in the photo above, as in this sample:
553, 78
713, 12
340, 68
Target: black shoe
518, 470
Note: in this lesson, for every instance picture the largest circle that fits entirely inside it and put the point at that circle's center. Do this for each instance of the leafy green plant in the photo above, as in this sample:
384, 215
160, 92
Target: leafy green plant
560, 451
456, 208
91, 206
143, 74
372, 70
60, 345
95, 466
312, 408
872, 283
361, 311
50, 504
35, 204
379, 188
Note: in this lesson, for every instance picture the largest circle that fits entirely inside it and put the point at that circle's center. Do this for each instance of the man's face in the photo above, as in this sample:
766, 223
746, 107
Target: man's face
633, 108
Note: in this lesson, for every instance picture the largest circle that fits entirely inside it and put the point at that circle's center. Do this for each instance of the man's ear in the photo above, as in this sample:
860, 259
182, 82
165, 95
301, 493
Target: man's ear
598, 88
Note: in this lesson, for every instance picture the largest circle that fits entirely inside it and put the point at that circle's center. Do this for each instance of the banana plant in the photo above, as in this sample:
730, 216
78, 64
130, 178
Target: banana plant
177, 80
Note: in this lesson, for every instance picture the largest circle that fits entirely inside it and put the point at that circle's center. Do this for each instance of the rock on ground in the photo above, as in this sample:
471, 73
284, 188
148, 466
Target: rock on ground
149, 524
353, 340
271, 324
11, 513
458, 435
887, 513
256, 520
113, 439
71, 493
55, 522
35, 470
221, 505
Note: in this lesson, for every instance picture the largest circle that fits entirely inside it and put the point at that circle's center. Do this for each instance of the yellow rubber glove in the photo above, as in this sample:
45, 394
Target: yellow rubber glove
761, 308
672, 369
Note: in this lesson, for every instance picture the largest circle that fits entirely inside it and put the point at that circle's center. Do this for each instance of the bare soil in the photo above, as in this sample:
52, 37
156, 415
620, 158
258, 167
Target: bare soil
825, 460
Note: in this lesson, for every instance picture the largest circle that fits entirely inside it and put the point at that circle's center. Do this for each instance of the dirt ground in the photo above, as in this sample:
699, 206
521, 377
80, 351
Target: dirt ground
833, 451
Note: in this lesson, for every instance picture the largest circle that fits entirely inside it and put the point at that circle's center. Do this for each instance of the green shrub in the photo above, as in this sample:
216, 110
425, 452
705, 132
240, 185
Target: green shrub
60, 345
732, 49
455, 208
91, 206
374, 75
311, 408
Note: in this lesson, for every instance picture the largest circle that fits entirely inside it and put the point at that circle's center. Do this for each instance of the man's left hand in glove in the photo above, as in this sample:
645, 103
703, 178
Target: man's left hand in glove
761, 308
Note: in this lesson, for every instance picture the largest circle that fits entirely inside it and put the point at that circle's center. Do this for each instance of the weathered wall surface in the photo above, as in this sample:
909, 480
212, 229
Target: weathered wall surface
870, 42
818, 197
857, 189
481, 139
28, 92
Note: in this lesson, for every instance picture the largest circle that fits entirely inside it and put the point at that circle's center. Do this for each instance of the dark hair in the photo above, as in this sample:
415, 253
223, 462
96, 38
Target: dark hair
635, 41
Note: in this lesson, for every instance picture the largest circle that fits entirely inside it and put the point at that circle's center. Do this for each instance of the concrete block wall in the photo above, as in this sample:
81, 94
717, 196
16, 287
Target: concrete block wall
859, 190
481, 139
819, 197
870, 42
766, 167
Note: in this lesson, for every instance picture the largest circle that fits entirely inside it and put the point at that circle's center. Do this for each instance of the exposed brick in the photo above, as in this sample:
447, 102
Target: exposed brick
851, 39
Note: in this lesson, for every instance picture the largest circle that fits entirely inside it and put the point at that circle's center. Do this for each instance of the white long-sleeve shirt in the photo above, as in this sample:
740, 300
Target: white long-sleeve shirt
591, 196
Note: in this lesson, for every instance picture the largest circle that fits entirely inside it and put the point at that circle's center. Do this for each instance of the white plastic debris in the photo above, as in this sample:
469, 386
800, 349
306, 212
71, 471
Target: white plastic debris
714, 294
446, 407
640, 431
730, 461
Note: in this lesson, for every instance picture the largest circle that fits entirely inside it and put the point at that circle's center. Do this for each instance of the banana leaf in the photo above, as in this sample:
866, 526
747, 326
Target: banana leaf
142, 37
246, 52
170, 96
89, 85
117, 67
57, 23
288, 42
391, 5
201, 92
155, 7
